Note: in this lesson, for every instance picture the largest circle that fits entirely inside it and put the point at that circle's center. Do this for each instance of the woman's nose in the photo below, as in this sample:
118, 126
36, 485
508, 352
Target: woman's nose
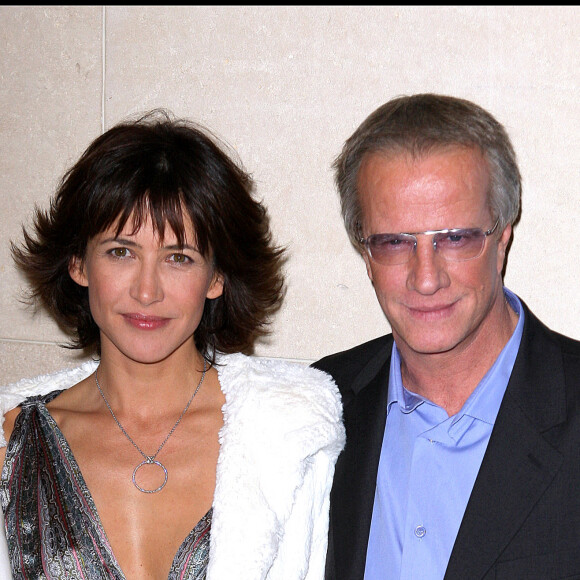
147, 287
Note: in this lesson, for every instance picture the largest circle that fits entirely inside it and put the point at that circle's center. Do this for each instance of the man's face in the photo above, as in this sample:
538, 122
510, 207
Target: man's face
434, 306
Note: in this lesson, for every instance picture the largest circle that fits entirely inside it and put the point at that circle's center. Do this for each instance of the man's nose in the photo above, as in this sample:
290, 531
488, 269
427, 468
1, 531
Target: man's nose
427, 269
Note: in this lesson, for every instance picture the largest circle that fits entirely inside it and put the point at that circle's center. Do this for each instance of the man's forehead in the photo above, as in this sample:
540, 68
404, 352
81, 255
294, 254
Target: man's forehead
447, 187
414, 154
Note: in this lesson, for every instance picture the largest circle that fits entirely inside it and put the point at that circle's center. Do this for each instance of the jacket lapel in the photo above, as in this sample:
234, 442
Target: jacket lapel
356, 471
519, 463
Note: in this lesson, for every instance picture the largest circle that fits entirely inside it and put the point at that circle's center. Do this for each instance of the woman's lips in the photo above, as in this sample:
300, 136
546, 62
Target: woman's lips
145, 322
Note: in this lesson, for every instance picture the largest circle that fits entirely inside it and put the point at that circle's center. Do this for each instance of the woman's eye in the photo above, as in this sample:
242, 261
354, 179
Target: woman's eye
119, 252
180, 258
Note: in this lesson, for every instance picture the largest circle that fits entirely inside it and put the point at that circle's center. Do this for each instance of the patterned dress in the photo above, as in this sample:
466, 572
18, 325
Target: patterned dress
54, 531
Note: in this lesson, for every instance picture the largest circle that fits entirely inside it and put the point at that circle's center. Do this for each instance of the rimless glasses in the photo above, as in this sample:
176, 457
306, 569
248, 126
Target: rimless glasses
454, 245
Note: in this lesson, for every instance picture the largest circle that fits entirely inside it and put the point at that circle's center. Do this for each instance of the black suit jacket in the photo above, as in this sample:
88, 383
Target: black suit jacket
522, 519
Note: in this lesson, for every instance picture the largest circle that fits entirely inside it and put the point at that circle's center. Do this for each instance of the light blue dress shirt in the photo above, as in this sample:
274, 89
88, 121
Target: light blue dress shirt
427, 468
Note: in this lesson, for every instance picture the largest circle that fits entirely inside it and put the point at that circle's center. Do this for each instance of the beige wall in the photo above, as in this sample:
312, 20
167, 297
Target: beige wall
285, 86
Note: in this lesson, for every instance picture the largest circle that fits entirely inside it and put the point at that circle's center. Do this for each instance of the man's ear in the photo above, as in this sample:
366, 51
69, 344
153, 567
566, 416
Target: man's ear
368, 265
502, 247
216, 286
76, 270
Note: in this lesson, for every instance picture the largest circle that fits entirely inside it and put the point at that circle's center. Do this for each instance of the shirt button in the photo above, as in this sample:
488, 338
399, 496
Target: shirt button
420, 531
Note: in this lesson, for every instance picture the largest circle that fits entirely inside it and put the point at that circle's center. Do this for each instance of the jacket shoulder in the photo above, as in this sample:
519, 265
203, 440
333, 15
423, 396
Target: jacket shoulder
13, 394
269, 375
346, 366
541, 339
281, 397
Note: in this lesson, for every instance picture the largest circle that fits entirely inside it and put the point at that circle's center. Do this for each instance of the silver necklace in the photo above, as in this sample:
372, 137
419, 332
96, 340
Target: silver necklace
151, 459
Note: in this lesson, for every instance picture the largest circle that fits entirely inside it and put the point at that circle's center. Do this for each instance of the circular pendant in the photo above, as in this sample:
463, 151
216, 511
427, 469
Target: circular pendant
149, 461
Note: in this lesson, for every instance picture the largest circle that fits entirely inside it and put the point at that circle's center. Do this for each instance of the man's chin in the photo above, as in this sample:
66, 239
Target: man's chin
422, 343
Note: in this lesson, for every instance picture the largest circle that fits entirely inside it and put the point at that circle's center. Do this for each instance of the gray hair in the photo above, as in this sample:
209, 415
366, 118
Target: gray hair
422, 123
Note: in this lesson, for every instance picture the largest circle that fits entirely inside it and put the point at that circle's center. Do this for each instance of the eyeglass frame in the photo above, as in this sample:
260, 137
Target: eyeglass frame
365, 241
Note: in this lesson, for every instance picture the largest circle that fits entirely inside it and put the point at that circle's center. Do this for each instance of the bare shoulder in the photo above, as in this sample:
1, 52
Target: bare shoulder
75, 398
9, 420
74, 407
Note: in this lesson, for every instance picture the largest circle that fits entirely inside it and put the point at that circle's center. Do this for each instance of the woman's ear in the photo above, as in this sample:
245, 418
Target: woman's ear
216, 286
76, 270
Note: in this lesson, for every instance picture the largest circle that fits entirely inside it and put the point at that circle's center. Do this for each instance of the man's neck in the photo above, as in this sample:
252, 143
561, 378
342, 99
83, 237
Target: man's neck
448, 379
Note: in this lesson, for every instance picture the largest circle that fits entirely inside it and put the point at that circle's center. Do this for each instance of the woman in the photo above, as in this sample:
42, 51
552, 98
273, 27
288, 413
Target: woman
173, 455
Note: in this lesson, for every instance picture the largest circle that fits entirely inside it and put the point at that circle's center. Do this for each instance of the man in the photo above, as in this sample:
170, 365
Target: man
462, 458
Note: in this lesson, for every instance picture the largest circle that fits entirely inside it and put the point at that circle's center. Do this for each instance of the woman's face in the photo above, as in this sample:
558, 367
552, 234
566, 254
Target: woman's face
146, 294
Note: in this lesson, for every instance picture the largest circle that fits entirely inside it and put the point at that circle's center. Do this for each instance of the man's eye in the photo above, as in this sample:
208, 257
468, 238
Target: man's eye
390, 243
461, 238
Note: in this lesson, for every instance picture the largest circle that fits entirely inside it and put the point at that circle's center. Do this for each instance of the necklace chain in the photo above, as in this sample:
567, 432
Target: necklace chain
151, 459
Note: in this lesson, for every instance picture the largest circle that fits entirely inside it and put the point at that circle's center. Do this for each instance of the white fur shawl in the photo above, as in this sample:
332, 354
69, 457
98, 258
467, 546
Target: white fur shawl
281, 437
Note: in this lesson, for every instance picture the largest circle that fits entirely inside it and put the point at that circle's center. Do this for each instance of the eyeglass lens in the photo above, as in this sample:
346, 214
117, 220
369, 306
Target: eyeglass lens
455, 245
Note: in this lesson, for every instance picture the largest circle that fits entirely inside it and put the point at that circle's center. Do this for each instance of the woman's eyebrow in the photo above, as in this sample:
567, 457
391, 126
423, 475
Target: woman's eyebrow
124, 241
181, 247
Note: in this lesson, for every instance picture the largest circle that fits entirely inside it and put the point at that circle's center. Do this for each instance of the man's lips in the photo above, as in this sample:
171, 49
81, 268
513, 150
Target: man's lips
431, 312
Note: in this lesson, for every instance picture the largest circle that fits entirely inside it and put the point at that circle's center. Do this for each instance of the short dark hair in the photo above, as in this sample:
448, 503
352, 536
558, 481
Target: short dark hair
158, 166
418, 124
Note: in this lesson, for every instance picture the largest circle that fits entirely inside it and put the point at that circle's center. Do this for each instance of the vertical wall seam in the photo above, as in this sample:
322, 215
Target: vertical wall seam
103, 66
